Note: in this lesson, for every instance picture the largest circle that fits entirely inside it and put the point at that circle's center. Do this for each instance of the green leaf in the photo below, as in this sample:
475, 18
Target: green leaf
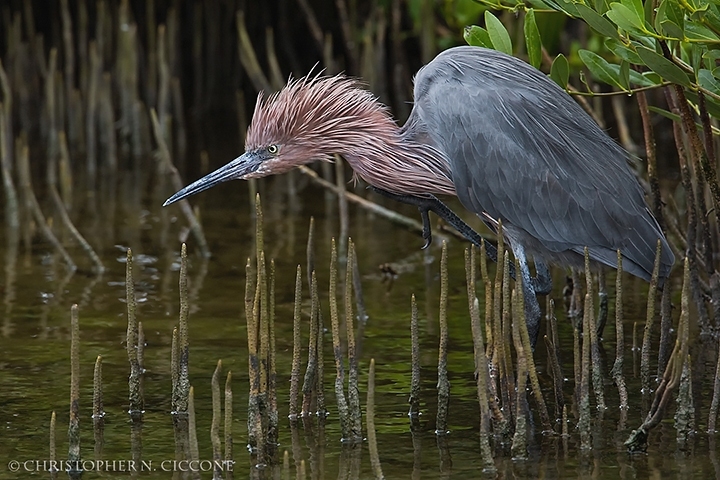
672, 116
663, 67
637, 78
636, 6
560, 71
624, 75
626, 19
600, 68
706, 80
649, 11
711, 57
533, 42
696, 31
698, 7
696, 51
712, 105
653, 77
564, 6
598, 23
670, 29
712, 18
539, 4
664, 113
477, 37
644, 41
601, 6
623, 51
668, 20
498, 34
675, 13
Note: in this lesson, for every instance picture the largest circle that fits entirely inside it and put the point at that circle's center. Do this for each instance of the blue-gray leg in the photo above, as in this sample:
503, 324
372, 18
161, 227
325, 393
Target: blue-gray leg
532, 306
430, 203
542, 283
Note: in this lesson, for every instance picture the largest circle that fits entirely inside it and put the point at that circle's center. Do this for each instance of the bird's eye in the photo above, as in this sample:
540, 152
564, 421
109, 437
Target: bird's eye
273, 149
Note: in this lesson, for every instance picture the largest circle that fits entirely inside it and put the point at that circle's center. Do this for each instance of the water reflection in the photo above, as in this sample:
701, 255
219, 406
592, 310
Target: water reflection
12, 238
34, 340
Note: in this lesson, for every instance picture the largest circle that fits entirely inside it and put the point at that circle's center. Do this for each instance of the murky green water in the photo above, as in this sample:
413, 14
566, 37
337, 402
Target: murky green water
35, 345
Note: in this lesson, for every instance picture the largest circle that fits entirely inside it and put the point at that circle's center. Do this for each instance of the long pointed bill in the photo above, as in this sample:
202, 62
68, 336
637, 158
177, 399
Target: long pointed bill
237, 169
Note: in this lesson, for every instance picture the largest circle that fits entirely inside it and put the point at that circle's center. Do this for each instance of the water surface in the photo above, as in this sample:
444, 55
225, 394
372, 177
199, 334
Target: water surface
35, 344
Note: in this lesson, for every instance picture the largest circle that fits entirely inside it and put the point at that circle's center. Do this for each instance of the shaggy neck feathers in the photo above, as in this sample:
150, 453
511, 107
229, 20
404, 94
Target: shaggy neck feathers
315, 118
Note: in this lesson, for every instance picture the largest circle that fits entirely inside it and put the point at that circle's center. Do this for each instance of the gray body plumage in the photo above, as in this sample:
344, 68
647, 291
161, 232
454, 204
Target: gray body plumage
521, 150
486, 127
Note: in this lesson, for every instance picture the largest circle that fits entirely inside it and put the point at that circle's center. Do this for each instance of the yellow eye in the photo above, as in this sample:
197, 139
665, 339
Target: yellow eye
273, 149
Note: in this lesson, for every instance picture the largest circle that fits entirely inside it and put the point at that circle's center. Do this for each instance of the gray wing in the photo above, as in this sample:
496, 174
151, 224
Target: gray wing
523, 151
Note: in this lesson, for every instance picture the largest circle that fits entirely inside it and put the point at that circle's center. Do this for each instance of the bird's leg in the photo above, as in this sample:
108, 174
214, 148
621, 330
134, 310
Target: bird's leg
532, 306
542, 282
432, 204
427, 228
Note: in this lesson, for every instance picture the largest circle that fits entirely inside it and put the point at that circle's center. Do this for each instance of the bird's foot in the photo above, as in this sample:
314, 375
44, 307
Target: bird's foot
427, 228
431, 204
424, 205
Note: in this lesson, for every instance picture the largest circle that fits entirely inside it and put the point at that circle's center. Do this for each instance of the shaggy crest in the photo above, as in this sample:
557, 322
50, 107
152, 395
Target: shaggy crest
313, 108
313, 118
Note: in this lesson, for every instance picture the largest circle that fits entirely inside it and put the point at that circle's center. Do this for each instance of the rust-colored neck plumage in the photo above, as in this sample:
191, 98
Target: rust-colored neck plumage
314, 118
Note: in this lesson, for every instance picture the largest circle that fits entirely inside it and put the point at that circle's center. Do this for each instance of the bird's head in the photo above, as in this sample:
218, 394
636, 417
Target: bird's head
310, 119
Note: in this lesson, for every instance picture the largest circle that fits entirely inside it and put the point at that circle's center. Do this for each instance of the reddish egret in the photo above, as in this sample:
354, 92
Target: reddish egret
487, 127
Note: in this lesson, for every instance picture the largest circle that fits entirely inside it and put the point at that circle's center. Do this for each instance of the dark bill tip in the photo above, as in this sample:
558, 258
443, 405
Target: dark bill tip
237, 169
